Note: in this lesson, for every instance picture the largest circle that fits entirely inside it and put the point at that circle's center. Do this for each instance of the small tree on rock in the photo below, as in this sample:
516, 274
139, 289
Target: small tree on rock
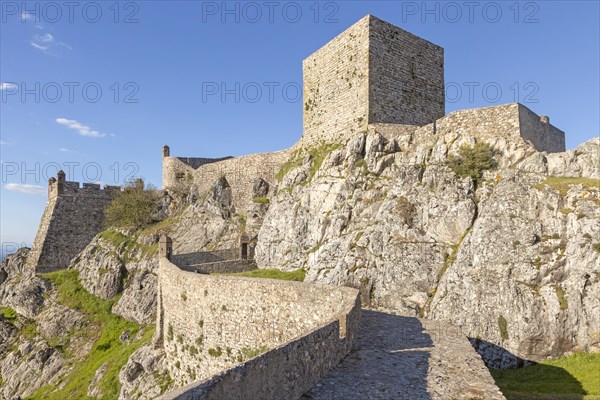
134, 207
472, 161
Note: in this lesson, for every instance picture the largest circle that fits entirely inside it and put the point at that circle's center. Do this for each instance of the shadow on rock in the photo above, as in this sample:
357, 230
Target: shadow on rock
521, 379
389, 360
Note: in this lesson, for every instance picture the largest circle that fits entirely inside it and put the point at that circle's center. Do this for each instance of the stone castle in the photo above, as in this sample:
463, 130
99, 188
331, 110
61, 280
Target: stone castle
372, 77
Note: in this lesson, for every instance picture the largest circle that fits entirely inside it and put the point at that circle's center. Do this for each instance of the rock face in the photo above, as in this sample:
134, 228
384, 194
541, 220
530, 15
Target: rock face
514, 260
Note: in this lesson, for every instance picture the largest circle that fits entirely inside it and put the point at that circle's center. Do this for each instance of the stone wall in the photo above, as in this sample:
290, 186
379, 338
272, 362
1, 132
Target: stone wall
537, 130
202, 257
240, 172
373, 72
505, 126
221, 267
406, 77
336, 86
285, 372
72, 217
210, 323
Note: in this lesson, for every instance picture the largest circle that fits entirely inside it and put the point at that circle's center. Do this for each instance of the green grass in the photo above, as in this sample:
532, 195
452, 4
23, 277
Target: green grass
571, 377
502, 325
560, 293
215, 352
296, 275
563, 184
293, 162
104, 329
248, 353
318, 155
129, 243
8, 312
261, 200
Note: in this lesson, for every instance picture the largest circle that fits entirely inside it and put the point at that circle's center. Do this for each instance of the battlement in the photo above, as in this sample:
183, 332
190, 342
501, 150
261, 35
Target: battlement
59, 186
74, 214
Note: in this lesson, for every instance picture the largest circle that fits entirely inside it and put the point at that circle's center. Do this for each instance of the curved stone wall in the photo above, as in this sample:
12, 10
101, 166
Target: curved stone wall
280, 336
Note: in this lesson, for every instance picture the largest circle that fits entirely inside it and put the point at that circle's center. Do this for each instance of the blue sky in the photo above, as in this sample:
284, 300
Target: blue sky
156, 62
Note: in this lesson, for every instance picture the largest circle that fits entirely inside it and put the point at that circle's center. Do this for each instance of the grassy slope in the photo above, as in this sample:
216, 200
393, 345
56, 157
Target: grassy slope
104, 328
568, 378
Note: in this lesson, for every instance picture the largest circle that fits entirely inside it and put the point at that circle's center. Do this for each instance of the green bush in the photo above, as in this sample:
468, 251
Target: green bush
215, 352
502, 324
472, 161
8, 313
133, 207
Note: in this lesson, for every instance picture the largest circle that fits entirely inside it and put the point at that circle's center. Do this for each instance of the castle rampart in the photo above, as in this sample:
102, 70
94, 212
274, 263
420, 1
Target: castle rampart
511, 122
208, 324
74, 214
240, 172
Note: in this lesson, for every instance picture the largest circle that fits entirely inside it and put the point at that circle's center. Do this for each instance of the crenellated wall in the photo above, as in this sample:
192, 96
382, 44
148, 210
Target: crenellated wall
207, 324
74, 214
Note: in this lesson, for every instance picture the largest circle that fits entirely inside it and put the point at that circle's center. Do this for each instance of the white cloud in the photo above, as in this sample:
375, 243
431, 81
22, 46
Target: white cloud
45, 38
26, 188
83, 130
26, 16
39, 47
7, 85
47, 43
65, 150
4, 142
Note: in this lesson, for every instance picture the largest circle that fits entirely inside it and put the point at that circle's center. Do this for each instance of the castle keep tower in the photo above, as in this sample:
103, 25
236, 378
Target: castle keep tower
374, 72
73, 216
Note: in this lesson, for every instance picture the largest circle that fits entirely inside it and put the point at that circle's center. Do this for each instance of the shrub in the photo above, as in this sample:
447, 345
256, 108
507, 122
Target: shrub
503, 327
215, 352
472, 161
562, 299
8, 313
133, 207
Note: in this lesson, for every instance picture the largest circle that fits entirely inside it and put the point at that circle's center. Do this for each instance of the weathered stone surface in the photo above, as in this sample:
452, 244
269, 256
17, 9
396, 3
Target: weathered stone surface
34, 364
398, 357
138, 302
73, 216
144, 376
101, 271
414, 237
240, 172
22, 290
260, 188
199, 318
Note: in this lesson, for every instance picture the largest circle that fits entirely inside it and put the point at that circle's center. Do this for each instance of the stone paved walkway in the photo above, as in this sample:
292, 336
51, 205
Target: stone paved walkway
404, 358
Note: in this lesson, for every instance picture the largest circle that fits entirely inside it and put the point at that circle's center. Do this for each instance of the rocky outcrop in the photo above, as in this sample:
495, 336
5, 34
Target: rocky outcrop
514, 260
145, 375
101, 270
21, 289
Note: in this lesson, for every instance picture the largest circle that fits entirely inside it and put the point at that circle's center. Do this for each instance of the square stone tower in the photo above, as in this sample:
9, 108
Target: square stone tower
374, 72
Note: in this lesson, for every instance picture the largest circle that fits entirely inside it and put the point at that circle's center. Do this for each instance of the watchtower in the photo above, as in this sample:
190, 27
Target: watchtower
374, 72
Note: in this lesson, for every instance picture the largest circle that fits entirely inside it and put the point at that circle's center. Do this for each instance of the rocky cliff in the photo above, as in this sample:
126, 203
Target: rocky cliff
513, 258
